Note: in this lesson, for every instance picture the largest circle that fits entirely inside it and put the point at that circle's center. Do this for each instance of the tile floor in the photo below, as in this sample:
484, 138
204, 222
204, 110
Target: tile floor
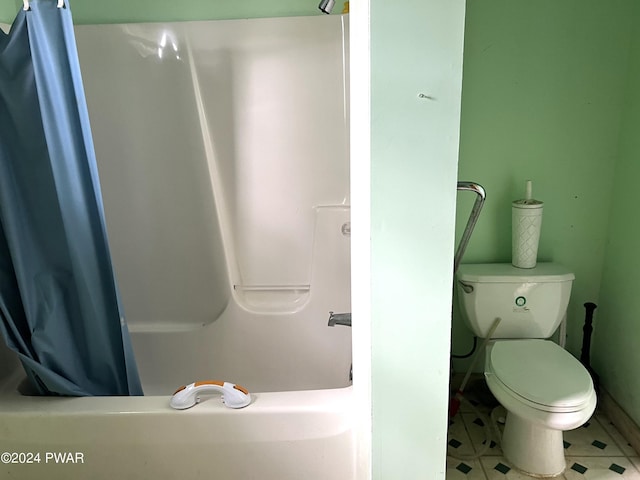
595, 451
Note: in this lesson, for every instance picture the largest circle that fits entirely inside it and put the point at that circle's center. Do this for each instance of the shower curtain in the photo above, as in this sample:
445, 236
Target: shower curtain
59, 305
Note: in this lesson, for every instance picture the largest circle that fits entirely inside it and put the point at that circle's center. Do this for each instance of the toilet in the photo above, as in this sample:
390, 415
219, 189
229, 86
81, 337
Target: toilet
544, 388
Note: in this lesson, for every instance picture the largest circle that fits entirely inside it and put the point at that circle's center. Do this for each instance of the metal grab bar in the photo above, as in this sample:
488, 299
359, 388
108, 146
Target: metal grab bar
473, 218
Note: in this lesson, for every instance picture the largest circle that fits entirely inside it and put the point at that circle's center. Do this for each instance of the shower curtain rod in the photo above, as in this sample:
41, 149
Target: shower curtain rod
25, 4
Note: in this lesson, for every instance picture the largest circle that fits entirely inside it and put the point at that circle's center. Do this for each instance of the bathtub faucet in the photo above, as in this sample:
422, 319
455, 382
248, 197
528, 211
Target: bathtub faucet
339, 319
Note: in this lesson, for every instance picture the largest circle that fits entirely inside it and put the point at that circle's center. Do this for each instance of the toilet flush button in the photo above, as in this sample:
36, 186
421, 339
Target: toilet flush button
520, 305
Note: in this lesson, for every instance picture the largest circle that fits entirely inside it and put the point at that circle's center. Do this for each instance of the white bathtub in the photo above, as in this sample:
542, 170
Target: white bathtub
281, 435
299, 424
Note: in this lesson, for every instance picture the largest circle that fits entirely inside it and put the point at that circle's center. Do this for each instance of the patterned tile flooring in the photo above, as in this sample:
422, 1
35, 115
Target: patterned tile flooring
595, 451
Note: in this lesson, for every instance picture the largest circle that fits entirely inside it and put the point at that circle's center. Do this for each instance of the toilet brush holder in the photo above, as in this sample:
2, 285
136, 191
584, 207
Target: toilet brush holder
526, 223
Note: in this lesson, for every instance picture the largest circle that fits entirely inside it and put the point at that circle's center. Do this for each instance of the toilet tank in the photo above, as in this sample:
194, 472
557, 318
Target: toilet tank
530, 302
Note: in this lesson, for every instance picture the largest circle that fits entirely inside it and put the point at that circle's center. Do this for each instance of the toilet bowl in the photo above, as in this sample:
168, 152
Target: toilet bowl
545, 391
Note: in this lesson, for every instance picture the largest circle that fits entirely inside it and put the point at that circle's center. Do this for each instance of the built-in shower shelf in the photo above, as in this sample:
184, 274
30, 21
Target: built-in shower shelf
273, 298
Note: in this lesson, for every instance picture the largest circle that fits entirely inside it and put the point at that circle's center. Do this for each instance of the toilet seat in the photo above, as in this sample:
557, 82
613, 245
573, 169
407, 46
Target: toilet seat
541, 374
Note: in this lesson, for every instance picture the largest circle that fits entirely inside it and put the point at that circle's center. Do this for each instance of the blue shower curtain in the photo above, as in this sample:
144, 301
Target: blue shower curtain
59, 305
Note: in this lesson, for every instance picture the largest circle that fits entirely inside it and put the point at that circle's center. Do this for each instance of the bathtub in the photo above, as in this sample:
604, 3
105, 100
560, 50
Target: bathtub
291, 432
274, 342
298, 425
280, 435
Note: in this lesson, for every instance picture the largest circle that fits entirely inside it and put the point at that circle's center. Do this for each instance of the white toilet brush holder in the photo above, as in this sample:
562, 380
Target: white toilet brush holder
526, 224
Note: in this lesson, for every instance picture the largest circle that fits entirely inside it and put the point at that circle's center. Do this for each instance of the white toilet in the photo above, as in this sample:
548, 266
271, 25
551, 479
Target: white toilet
544, 388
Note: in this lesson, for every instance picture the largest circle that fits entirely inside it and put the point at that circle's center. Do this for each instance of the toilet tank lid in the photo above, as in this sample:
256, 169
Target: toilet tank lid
507, 273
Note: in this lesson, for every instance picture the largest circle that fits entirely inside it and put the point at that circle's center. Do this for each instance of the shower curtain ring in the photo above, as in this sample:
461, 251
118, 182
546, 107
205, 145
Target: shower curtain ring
25, 4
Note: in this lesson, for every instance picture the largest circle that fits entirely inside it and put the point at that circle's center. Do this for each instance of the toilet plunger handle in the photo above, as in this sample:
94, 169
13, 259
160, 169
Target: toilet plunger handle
586, 344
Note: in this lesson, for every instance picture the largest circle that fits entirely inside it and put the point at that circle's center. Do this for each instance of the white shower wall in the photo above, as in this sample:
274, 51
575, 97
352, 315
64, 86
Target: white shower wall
220, 136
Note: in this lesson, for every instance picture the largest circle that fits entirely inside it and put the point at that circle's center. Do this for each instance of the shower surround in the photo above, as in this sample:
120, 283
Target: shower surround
223, 155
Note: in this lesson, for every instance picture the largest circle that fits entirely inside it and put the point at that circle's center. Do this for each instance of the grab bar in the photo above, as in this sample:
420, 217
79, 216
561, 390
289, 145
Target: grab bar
233, 396
473, 218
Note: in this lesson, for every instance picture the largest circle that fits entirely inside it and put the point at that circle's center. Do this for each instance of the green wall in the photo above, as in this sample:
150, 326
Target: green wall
127, 11
8, 9
544, 88
615, 352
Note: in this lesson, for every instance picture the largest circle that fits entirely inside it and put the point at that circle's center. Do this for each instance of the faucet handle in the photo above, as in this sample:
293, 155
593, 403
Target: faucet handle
339, 319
